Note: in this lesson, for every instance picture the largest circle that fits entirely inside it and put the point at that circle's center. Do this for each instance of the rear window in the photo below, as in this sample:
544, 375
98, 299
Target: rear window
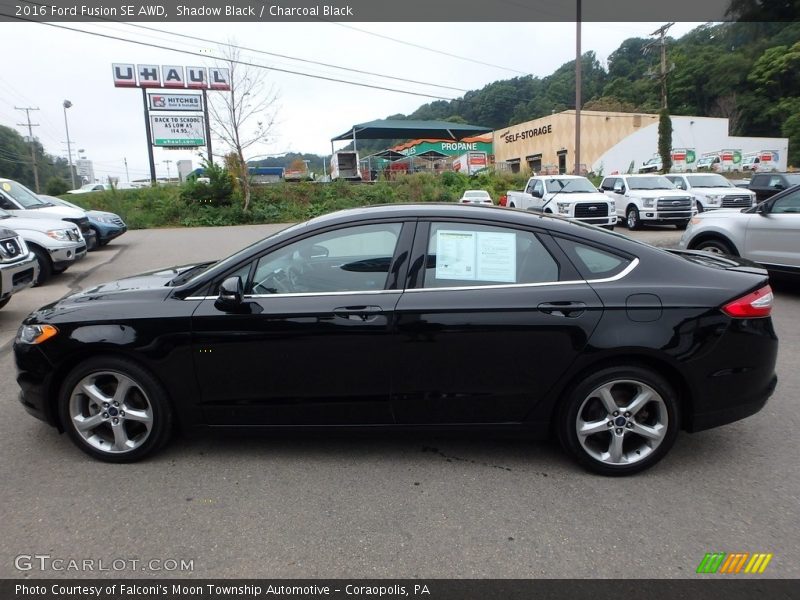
593, 262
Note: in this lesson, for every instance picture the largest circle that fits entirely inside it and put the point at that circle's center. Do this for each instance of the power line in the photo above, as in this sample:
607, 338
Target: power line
223, 59
295, 58
442, 52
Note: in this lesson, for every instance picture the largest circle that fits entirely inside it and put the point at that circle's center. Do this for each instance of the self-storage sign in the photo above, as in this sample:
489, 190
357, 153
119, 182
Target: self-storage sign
177, 131
176, 102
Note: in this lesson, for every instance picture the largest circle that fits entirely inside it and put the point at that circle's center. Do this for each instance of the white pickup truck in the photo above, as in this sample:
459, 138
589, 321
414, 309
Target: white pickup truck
570, 196
649, 199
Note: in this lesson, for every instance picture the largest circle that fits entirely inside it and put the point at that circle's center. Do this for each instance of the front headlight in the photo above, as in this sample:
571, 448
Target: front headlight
649, 202
563, 208
62, 235
35, 334
712, 199
110, 221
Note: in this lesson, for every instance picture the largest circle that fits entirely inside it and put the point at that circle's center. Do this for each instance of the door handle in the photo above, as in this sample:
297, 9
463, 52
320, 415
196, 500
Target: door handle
563, 309
358, 313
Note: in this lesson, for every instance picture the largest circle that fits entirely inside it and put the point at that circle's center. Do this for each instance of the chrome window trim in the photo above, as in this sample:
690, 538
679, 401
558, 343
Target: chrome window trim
627, 270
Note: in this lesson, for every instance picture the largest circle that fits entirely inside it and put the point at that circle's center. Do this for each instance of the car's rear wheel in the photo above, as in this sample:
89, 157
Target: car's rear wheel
715, 246
114, 410
633, 218
620, 420
45, 265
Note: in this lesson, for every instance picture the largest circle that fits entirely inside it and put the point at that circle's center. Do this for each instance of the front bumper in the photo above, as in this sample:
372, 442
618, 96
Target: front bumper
35, 377
65, 256
17, 276
107, 232
671, 216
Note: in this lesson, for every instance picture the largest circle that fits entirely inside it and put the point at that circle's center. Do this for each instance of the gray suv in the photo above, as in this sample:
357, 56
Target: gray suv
767, 233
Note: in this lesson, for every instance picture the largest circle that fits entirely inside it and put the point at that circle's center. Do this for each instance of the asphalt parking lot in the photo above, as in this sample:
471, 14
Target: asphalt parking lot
428, 506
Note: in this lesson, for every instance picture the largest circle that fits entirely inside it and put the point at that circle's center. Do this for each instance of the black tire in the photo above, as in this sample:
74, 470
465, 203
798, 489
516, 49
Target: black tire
682, 225
512, 205
96, 243
4, 301
145, 398
715, 246
699, 207
632, 218
661, 416
45, 265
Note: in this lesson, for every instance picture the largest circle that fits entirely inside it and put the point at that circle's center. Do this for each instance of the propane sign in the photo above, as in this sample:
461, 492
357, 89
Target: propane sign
175, 131
176, 102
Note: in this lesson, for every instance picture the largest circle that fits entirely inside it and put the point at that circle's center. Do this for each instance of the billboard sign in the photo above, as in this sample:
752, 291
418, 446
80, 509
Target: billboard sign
170, 76
177, 131
175, 102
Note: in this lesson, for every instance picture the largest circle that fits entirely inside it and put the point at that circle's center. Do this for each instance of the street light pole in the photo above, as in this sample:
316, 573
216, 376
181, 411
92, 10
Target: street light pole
66, 104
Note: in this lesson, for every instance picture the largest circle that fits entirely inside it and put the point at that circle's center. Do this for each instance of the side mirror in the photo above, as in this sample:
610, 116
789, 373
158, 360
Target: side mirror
763, 209
230, 295
618, 188
537, 193
779, 186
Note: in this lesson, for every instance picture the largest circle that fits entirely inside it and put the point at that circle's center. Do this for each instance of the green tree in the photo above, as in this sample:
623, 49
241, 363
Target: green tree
665, 140
56, 187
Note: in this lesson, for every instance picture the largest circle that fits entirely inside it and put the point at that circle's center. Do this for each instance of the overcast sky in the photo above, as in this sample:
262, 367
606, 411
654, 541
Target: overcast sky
49, 65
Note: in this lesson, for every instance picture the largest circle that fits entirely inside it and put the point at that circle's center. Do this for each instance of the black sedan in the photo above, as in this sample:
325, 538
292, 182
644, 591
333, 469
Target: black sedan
407, 317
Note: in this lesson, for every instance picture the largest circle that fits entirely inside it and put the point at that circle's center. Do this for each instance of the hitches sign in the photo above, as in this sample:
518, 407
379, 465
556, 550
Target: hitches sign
177, 131
176, 102
170, 76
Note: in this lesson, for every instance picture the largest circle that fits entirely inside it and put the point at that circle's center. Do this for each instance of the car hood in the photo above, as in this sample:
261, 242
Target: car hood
723, 213
101, 213
579, 197
721, 191
659, 193
38, 224
51, 212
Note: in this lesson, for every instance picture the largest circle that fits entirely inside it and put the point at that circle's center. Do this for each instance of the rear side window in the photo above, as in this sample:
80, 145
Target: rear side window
593, 262
471, 255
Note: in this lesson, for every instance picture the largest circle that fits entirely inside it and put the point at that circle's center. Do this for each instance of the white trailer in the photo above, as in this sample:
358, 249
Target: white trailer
471, 162
344, 165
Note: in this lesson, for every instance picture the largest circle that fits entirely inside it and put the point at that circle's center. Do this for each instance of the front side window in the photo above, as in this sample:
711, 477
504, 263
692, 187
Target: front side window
467, 255
538, 189
787, 204
354, 259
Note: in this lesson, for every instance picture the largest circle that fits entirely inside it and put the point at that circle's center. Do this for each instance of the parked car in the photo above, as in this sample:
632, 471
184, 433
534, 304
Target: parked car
18, 268
91, 187
22, 202
614, 344
712, 191
55, 244
768, 233
741, 183
570, 196
654, 165
649, 199
476, 197
766, 185
105, 226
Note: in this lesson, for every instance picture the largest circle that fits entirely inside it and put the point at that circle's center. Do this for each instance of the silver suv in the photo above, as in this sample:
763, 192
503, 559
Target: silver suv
18, 268
767, 233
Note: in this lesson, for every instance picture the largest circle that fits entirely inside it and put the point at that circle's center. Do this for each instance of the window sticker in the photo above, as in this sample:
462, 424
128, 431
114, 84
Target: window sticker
455, 255
497, 257
471, 255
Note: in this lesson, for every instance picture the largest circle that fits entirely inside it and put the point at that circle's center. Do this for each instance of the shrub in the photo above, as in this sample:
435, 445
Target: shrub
56, 187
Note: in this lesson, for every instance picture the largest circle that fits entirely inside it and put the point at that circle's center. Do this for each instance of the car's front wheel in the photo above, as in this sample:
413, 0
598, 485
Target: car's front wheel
620, 420
114, 410
715, 246
633, 218
45, 265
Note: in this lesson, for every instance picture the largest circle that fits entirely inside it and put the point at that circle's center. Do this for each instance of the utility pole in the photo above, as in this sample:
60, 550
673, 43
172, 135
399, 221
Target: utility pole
578, 90
661, 32
30, 126
167, 162
127, 175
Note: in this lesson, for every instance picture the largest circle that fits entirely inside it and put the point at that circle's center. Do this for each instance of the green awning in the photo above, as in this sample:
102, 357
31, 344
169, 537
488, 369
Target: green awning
385, 129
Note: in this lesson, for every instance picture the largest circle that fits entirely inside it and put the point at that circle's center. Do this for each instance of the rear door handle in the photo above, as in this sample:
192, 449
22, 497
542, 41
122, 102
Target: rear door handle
358, 313
563, 309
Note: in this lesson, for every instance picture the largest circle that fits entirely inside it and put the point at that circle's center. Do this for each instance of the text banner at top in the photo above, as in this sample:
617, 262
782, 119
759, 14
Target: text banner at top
385, 11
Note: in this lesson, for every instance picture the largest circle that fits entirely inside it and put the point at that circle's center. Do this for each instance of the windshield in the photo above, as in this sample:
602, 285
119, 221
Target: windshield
570, 186
67, 204
656, 182
708, 181
23, 196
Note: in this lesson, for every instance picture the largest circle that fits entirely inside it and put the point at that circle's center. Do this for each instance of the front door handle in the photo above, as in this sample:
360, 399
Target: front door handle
358, 313
563, 309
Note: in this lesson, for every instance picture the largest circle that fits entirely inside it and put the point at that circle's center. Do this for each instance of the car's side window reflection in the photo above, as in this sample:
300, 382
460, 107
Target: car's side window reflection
466, 255
346, 260
787, 204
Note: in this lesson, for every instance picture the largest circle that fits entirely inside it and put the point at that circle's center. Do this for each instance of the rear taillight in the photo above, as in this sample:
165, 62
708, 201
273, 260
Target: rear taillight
753, 305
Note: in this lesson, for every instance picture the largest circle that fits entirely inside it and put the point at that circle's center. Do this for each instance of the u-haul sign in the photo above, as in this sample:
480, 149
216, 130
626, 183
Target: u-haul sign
175, 102
177, 131
170, 76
